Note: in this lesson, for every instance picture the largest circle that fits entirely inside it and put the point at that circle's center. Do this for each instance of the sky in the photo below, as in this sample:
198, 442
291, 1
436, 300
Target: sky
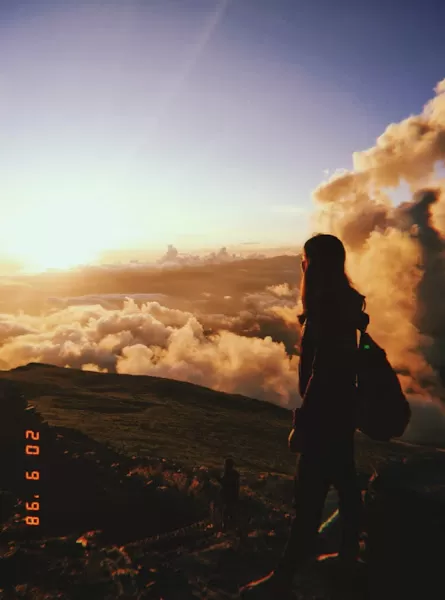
199, 123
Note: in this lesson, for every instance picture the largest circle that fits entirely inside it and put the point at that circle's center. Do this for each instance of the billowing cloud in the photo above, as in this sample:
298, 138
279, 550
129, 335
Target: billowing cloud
173, 258
427, 424
105, 300
396, 253
151, 340
282, 290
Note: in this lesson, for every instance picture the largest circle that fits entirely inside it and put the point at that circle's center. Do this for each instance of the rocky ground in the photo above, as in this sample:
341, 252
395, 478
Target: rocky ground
121, 525
117, 527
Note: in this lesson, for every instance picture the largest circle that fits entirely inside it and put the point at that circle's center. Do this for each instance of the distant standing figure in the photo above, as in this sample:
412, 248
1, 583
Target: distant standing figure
323, 428
230, 483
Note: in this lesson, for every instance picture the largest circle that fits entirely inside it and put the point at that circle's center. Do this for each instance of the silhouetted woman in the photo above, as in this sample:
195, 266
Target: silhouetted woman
323, 428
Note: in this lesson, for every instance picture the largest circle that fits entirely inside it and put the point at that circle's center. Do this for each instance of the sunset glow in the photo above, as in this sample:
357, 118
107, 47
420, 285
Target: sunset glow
204, 123
54, 236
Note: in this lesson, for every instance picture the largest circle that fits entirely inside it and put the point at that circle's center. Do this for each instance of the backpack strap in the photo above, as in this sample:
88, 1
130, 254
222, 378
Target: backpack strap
362, 325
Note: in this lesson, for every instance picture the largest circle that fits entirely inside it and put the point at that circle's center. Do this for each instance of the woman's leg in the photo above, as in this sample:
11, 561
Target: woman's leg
311, 490
349, 504
312, 486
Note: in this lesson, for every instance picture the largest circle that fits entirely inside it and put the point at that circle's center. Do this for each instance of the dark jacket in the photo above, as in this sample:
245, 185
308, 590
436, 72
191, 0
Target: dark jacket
327, 369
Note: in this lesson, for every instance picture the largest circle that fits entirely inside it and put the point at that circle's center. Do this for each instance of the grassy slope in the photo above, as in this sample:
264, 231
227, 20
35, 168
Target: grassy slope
141, 415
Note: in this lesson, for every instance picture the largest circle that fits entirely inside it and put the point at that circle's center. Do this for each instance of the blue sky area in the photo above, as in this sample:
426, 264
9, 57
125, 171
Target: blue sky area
195, 122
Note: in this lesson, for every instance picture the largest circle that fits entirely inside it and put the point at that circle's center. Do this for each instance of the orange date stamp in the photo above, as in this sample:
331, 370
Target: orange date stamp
32, 449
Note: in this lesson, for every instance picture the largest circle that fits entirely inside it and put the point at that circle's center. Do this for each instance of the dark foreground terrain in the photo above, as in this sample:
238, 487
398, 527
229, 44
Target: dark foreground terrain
126, 483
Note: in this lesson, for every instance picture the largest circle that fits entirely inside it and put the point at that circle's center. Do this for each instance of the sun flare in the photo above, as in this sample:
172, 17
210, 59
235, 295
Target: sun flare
56, 243
52, 254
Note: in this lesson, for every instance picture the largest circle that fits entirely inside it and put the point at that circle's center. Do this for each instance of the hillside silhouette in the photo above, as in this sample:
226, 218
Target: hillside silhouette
128, 466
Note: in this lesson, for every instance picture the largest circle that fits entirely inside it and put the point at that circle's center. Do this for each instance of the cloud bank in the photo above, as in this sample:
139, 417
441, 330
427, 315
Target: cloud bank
152, 340
397, 253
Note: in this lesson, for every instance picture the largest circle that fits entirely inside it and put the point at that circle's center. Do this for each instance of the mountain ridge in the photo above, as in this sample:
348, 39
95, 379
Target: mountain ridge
155, 416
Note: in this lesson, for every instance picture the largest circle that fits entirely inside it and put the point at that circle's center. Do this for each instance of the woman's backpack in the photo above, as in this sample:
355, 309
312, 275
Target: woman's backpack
383, 410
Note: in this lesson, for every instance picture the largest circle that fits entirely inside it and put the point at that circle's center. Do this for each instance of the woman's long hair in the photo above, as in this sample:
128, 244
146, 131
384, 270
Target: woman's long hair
324, 276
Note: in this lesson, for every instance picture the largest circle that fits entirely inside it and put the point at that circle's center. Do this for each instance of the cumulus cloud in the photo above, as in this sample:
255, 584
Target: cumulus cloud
396, 253
281, 290
153, 340
427, 424
173, 258
105, 300
271, 312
